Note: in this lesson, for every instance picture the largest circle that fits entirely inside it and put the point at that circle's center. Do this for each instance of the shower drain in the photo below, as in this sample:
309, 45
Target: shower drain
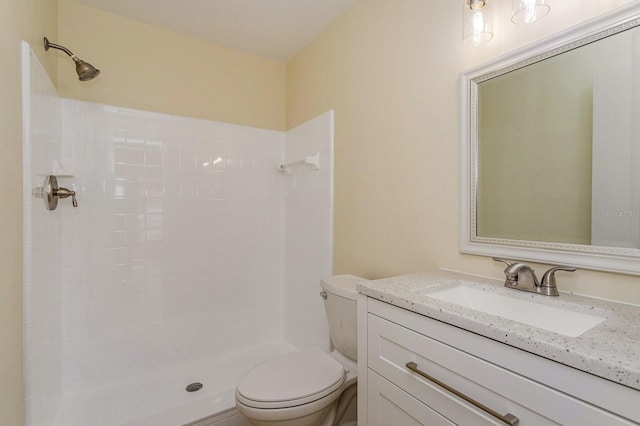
194, 387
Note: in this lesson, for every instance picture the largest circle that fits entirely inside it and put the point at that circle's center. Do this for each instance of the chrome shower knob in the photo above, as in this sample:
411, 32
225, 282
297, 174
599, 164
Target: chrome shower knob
51, 193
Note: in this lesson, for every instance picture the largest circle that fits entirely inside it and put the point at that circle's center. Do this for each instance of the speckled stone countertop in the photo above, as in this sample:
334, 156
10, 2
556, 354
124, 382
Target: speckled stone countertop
610, 350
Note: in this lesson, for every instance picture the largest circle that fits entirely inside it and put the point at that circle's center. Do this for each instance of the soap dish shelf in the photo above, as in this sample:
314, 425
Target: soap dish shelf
313, 160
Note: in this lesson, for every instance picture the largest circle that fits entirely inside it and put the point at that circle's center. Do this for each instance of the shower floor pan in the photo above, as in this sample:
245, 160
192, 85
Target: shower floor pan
160, 399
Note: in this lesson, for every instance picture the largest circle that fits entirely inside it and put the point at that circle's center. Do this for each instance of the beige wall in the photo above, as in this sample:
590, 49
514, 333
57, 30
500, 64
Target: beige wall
153, 69
390, 70
19, 20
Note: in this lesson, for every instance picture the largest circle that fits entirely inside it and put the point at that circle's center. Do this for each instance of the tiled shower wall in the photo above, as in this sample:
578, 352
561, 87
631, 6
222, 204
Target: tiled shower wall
309, 232
175, 252
42, 246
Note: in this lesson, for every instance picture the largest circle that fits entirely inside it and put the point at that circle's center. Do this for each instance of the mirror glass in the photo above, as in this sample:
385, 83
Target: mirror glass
554, 147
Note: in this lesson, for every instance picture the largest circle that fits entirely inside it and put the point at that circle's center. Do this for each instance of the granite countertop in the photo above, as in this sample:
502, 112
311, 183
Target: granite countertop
610, 350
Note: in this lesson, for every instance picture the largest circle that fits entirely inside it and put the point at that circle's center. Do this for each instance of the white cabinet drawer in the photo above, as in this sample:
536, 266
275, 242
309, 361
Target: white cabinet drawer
388, 405
391, 347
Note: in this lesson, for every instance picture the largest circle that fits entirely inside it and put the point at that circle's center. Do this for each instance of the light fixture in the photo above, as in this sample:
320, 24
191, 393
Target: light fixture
478, 18
528, 11
478, 23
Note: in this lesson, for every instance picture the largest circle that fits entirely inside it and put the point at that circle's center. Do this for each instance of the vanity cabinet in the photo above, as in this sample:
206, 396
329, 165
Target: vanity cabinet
396, 347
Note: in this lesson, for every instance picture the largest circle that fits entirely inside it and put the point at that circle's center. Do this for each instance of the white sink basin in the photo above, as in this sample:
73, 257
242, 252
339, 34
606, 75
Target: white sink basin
568, 323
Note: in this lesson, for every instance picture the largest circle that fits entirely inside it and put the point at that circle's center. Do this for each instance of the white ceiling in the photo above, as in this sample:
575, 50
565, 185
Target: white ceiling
276, 29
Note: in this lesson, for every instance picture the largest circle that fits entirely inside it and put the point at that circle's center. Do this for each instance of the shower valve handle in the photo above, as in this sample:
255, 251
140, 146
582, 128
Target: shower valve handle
51, 193
65, 193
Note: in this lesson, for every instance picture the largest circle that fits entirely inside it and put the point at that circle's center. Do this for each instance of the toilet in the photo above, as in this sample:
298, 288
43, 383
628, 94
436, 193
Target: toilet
312, 387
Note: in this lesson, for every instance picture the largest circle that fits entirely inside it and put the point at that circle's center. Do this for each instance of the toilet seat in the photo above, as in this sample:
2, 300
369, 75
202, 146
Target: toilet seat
291, 380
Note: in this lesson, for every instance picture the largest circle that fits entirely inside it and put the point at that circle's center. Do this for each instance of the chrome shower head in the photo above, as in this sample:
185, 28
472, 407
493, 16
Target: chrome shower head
85, 70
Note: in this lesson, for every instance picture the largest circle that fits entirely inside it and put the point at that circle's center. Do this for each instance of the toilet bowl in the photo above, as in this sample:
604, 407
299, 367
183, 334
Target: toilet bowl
312, 387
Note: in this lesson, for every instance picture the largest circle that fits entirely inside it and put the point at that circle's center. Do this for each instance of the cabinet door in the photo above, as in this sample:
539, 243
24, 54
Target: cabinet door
388, 405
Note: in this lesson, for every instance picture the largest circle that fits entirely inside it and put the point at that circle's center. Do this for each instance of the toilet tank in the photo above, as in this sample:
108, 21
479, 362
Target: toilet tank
339, 294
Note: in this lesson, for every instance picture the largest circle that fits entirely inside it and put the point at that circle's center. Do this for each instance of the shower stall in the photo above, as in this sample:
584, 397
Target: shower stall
190, 258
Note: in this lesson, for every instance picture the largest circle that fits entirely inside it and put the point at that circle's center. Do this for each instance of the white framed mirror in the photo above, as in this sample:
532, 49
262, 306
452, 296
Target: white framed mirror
550, 149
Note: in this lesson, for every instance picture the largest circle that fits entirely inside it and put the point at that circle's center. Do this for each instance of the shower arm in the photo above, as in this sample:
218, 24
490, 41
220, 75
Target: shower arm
48, 44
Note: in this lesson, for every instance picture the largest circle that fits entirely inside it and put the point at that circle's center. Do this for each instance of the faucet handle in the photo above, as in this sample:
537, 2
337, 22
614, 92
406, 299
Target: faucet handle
548, 285
505, 261
512, 270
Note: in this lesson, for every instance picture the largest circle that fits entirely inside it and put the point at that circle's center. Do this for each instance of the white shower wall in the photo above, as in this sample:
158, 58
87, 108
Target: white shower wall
42, 298
309, 232
188, 245
175, 252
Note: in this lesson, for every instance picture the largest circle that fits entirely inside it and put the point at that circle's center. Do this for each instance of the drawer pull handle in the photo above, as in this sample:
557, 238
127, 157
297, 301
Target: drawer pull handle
508, 418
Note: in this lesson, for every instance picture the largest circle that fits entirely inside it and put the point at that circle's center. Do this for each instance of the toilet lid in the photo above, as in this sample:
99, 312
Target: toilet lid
289, 380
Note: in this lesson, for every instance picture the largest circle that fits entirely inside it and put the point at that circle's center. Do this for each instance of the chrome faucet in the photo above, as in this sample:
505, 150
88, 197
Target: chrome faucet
521, 277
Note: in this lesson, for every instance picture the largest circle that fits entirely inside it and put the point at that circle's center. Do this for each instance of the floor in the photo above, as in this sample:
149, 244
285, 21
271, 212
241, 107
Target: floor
161, 400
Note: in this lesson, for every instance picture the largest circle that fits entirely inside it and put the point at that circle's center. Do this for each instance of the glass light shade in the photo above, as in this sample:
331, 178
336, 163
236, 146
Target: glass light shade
478, 25
528, 11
